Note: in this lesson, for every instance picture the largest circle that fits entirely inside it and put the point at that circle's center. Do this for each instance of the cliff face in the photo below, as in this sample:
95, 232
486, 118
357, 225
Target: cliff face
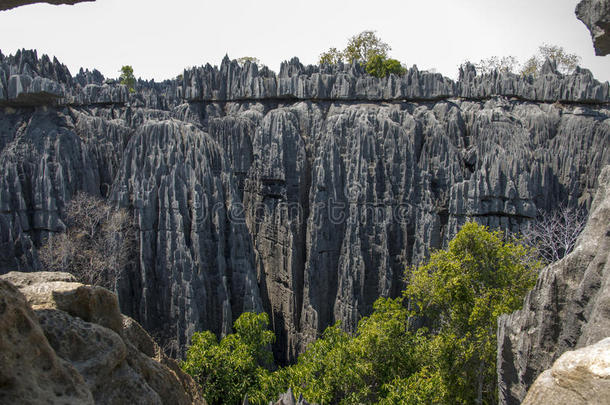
303, 194
595, 14
567, 309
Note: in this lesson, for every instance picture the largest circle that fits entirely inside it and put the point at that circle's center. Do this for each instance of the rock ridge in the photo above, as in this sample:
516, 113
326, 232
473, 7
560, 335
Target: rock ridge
308, 210
27, 80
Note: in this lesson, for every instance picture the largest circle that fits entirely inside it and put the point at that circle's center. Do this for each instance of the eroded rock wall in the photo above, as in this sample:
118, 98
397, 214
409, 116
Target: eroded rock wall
304, 194
568, 308
595, 14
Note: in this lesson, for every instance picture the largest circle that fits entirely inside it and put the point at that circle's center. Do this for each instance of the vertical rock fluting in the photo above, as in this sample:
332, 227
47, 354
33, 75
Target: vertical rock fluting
304, 194
195, 269
568, 308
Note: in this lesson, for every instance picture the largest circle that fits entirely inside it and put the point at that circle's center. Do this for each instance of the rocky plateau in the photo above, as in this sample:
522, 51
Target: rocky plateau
304, 194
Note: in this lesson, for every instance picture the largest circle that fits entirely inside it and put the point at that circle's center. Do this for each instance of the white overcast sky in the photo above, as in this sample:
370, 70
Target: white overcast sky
160, 38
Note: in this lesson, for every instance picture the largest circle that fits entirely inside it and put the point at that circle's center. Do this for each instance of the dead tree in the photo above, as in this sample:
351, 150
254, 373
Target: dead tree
554, 234
97, 244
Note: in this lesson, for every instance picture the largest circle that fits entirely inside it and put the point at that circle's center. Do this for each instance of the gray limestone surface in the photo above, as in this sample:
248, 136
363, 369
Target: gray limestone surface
595, 14
569, 308
304, 194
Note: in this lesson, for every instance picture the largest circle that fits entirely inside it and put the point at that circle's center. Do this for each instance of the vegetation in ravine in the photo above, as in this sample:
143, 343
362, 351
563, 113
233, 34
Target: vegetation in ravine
435, 344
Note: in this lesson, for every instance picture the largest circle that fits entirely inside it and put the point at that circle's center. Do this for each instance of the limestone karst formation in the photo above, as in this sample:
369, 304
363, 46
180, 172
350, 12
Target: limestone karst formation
304, 194
595, 14
567, 309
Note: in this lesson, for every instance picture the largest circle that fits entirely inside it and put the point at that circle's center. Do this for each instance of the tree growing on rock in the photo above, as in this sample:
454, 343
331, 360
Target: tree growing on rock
248, 59
565, 62
127, 78
505, 64
97, 244
369, 50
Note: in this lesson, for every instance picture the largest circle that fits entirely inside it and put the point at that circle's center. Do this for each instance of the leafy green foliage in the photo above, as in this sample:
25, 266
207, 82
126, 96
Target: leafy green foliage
365, 45
235, 366
460, 293
369, 50
127, 78
380, 66
331, 57
457, 296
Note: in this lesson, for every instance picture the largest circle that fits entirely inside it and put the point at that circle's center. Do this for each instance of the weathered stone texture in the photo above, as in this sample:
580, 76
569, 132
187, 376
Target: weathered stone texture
578, 377
595, 14
568, 308
68, 343
304, 194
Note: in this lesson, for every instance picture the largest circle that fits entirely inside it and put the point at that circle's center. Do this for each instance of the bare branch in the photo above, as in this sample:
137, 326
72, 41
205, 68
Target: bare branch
554, 234
97, 244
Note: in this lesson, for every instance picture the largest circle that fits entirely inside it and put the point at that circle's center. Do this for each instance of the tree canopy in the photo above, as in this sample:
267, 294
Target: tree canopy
237, 365
127, 78
434, 344
369, 50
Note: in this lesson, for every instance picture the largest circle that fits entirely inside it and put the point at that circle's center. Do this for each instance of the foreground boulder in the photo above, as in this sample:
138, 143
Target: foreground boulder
568, 308
65, 342
578, 377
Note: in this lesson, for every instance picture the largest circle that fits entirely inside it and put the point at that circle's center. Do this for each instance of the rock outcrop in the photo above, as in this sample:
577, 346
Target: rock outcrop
578, 377
568, 308
595, 14
304, 194
8, 4
67, 343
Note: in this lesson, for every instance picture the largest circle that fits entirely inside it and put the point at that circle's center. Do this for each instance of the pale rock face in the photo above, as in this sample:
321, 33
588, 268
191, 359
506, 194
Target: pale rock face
578, 377
568, 308
31, 371
83, 349
595, 14
304, 194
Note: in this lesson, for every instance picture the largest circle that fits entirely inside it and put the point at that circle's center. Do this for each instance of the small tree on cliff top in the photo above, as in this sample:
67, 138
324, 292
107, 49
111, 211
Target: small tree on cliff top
127, 78
368, 49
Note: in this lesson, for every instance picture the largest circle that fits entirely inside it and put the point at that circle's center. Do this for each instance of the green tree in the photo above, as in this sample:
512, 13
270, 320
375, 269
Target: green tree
365, 45
127, 78
353, 369
381, 66
460, 293
237, 365
369, 50
457, 295
331, 57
